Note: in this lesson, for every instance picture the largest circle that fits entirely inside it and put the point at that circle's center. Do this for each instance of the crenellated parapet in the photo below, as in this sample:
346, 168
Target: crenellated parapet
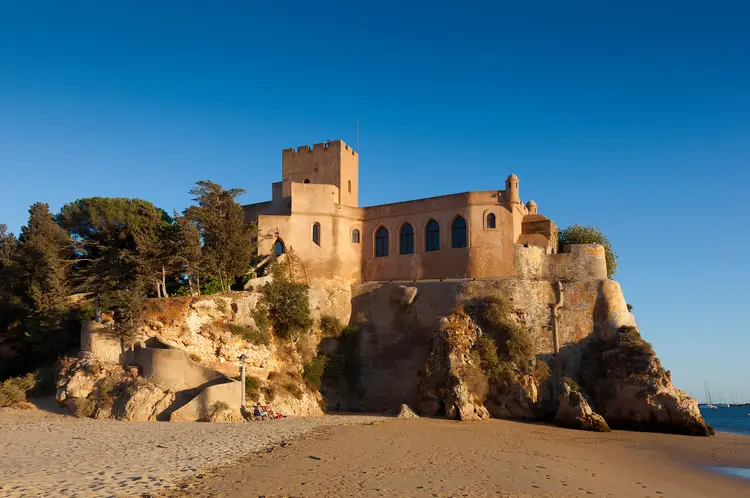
330, 146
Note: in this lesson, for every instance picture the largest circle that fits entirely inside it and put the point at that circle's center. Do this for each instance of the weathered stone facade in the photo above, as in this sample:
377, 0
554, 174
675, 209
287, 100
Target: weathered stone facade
315, 211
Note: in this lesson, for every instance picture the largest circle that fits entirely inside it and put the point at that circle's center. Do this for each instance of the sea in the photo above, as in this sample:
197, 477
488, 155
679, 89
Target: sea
731, 419
734, 420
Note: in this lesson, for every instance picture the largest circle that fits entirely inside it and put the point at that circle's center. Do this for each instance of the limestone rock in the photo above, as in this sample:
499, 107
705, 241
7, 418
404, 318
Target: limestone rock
406, 412
145, 403
516, 400
450, 379
574, 412
225, 415
632, 390
404, 295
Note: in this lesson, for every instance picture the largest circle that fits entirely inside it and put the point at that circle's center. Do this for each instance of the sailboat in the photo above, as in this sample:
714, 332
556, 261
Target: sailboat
726, 400
708, 398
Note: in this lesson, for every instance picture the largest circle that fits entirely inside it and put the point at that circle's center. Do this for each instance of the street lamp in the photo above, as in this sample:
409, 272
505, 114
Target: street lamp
243, 402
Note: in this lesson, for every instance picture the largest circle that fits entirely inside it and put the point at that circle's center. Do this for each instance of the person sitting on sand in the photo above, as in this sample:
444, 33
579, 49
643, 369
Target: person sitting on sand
259, 412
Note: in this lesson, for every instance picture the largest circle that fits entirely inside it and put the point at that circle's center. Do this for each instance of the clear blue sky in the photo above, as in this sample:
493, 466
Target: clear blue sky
632, 117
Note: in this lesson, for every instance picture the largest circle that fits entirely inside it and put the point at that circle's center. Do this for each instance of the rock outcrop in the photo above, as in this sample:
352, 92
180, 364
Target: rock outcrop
574, 412
406, 412
452, 382
633, 391
515, 400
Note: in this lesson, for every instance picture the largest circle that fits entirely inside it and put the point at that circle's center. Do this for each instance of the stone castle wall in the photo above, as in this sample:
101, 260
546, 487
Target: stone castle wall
396, 337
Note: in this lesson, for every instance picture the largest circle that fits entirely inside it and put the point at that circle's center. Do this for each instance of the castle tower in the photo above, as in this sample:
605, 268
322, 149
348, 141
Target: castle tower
328, 163
511, 191
532, 207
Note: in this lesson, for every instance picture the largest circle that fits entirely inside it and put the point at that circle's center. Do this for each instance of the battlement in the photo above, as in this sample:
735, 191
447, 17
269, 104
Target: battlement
320, 147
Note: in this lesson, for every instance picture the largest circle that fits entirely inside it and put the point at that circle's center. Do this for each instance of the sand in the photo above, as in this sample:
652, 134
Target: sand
494, 458
46, 454
43, 454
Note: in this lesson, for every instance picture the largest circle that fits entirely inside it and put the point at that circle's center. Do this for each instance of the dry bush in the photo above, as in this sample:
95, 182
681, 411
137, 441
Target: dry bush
17, 389
330, 326
475, 379
252, 335
541, 371
195, 357
84, 407
168, 310
306, 347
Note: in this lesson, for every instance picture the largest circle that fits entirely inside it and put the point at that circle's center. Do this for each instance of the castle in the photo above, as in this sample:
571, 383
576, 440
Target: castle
315, 210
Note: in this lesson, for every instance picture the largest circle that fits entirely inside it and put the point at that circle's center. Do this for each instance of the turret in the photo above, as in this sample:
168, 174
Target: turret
511, 191
531, 206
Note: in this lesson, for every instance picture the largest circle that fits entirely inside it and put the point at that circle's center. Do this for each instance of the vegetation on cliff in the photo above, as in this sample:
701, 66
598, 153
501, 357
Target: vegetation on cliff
578, 234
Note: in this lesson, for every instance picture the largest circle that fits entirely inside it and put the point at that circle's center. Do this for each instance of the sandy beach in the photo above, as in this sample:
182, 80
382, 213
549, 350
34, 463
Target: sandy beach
494, 458
46, 454
51, 455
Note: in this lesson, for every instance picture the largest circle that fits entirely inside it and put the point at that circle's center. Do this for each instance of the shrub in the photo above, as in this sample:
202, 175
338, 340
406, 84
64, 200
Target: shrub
541, 371
251, 334
260, 317
630, 307
476, 379
84, 408
252, 388
293, 389
330, 326
288, 307
512, 340
488, 359
577, 234
195, 357
573, 385
345, 363
313, 372
17, 389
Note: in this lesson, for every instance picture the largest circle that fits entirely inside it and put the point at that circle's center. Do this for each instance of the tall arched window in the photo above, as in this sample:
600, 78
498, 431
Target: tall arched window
432, 236
316, 233
355, 236
278, 247
381, 242
458, 233
491, 220
407, 240
350, 186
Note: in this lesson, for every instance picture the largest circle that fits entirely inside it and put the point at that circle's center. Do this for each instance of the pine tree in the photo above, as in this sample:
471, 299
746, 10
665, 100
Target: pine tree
227, 240
43, 259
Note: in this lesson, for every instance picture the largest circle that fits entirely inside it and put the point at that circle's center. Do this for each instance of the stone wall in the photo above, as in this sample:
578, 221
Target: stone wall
395, 337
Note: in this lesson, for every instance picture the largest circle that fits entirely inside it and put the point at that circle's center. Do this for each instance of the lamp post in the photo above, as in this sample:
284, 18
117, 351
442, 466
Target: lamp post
243, 402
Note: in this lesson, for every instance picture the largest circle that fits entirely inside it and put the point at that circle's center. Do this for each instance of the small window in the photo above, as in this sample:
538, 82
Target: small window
458, 233
381, 242
491, 220
432, 236
316, 233
307, 180
355, 236
407, 240
278, 247
350, 186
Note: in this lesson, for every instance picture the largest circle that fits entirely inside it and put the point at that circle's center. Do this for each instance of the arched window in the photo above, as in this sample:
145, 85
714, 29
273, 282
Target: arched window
316, 233
407, 240
432, 236
350, 186
307, 180
381, 242
458, 233
278, 247
491, 220
355, 236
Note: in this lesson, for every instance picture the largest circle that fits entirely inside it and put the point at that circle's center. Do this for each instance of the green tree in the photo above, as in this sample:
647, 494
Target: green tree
183, 252
227, 239
43, 265
121, 249
578, 234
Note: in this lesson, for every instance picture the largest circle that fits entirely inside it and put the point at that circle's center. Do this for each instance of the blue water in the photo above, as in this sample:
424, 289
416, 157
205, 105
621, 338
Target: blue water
732, 419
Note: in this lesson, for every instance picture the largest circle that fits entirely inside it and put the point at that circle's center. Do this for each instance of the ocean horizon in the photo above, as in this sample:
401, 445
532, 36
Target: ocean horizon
729, 419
